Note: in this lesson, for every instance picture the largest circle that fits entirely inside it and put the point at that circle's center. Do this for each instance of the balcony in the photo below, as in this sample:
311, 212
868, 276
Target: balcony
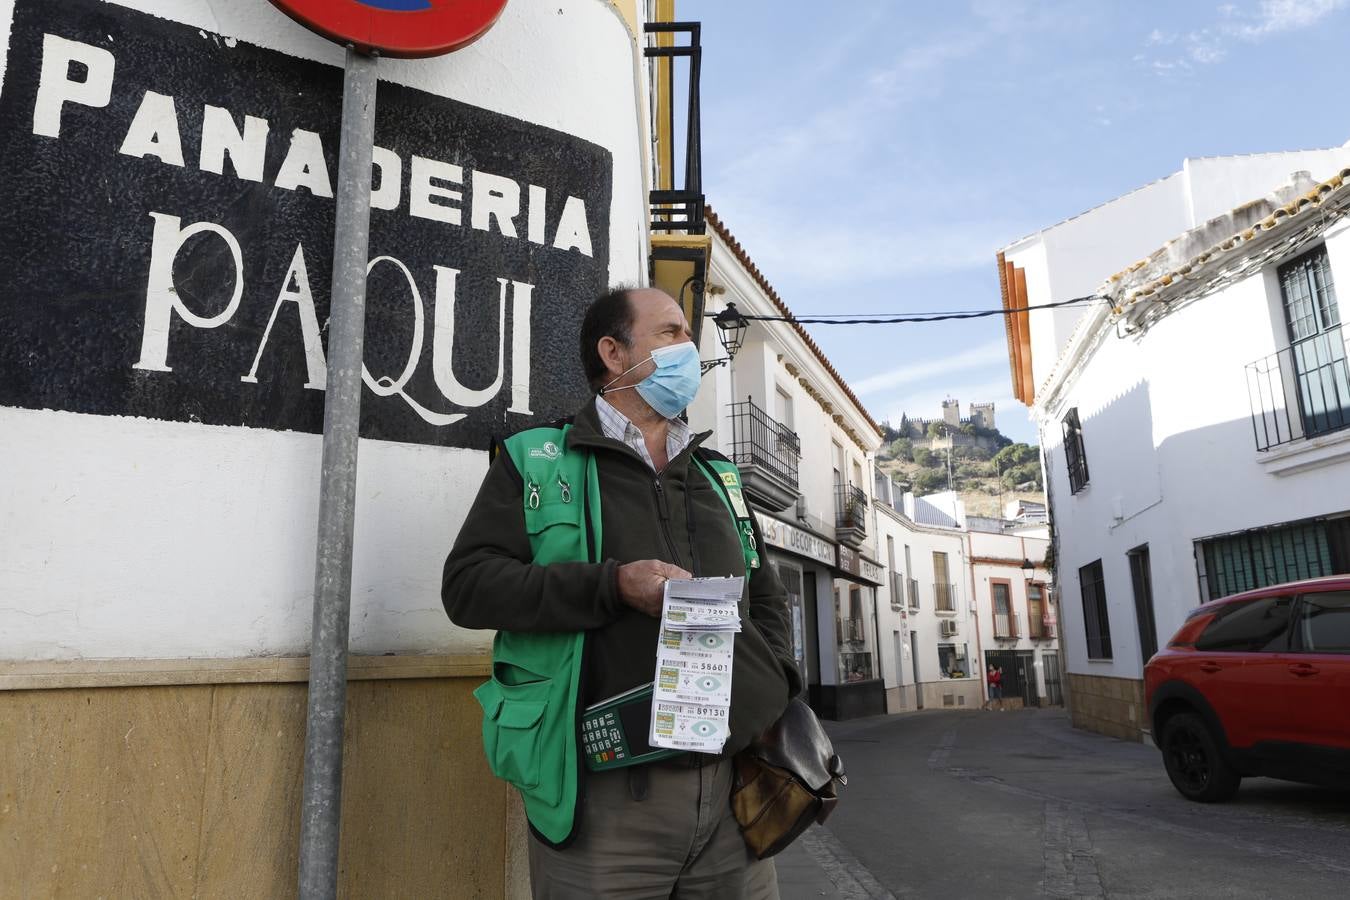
944, 598
897, 592
850, 515
679, 241
1005, 626
767, 453
1301, 392
677, 206
913, 594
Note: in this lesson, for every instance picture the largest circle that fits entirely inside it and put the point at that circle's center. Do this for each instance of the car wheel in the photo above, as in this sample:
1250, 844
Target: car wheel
1194, 762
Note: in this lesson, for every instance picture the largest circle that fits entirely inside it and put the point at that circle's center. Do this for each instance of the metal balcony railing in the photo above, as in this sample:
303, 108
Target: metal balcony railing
1300, 392
944, 597
677, 206
1035, 624
850, 507
758, 440
913, 593
1005, 625
897, 591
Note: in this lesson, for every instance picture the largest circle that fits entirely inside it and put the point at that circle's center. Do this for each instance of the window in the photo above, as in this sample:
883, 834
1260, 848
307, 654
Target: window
783, 407
1315, 342
897, 577
943, 590
1005, 623
1231, 564
1036, 610
1324, 624
952, 661
1248, 627
1074, 453
1141, 576
1095, 619
854, 635
913, 582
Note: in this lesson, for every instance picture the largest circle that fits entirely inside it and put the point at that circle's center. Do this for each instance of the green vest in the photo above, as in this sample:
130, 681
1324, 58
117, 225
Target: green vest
530, 703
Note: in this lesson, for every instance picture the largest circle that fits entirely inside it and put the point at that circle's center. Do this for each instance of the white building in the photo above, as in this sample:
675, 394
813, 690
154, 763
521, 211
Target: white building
1194, 423
930, 646
170, 170
1018, 627
805, 445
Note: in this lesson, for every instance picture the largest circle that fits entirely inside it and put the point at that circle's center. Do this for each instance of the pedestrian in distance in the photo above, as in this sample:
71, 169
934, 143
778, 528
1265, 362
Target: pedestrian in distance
566, 551
995, 679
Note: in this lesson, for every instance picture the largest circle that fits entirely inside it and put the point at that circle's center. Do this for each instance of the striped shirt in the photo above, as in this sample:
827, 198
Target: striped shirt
619, 427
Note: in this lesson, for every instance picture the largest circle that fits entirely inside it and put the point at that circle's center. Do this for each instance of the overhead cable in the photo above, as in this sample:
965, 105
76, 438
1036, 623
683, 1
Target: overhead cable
835, 318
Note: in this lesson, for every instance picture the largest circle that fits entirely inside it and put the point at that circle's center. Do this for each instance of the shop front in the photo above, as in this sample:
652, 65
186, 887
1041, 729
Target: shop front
804, 562
858, 687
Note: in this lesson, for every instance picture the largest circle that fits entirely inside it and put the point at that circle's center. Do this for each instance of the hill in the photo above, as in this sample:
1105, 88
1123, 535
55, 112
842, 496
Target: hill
984, 466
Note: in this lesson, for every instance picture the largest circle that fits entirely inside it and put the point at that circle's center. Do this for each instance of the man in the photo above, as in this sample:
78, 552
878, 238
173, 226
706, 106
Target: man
663, 829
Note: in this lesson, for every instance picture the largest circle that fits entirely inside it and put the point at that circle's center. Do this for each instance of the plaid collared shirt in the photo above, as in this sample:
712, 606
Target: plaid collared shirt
620, 428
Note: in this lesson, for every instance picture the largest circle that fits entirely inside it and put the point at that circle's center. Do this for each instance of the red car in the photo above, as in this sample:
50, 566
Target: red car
1256, 684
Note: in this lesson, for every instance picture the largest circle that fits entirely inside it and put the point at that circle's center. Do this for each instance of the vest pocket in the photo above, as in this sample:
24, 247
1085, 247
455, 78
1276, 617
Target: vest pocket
513, 739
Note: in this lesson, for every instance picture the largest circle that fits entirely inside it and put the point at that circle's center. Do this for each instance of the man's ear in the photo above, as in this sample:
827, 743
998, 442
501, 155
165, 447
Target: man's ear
611, 354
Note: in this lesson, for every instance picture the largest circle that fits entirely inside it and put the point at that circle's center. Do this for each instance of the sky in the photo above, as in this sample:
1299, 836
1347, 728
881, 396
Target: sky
872, 156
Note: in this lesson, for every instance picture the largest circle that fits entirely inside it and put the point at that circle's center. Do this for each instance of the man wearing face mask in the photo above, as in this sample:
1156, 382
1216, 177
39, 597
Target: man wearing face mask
661, 828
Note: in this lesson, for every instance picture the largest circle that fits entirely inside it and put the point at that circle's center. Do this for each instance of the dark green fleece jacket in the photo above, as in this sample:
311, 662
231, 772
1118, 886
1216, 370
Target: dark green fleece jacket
677, 516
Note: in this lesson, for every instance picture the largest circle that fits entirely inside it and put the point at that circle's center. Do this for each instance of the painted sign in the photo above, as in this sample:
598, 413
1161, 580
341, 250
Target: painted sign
795, 540
397, 27
854, 563
168, 238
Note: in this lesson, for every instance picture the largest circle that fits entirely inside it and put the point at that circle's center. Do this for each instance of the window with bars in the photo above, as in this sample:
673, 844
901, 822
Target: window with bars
1233, 563
1074, 453
1316, 344
1096, 621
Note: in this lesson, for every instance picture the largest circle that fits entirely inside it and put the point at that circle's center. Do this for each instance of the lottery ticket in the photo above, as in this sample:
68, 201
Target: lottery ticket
704, 679
689, 726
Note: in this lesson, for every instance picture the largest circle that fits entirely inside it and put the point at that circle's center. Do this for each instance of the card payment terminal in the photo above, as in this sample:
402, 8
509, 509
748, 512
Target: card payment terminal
614, 731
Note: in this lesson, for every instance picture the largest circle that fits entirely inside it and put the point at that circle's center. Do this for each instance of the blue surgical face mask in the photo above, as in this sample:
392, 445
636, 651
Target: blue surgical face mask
674, 384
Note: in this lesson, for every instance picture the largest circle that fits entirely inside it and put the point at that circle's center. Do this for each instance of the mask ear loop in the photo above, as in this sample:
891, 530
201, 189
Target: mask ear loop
623, 373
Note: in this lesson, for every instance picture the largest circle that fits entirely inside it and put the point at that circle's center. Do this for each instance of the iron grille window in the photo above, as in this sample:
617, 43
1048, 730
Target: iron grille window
1074, 453
1316, 345
1231, 564
1096, 621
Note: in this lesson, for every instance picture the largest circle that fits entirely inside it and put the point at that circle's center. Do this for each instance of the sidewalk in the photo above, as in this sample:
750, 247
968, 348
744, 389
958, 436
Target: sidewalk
800, 877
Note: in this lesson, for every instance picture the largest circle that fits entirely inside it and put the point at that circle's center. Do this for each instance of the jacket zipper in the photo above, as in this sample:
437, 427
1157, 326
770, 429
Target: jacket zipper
663, 512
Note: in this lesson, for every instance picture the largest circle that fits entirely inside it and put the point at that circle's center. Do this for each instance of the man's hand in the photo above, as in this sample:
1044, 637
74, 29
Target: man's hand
642, 584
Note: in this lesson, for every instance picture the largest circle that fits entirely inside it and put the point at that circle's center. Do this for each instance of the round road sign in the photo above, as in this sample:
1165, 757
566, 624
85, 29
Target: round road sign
397, 27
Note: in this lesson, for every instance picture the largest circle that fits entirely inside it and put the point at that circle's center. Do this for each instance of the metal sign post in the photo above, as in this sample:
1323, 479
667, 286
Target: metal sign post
321, 806
411, 28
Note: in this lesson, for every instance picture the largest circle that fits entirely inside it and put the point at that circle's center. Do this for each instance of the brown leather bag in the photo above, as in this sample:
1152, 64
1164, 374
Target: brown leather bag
785, 781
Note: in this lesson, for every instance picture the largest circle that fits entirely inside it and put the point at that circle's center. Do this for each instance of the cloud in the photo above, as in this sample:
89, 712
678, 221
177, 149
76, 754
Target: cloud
988, 354
1209, 45
1276, 16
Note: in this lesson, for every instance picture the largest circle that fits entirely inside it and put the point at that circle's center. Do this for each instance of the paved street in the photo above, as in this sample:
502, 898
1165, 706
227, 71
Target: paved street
1018, 804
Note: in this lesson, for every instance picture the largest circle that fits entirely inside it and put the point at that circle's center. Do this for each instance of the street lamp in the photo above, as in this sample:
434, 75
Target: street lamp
731, 328
1028, 569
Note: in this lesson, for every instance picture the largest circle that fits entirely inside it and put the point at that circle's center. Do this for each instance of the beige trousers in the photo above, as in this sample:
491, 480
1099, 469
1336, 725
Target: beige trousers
679, 843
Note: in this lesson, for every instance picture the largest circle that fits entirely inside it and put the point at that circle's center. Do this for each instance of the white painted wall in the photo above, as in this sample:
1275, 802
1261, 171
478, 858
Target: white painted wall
1172, 459
133, 538
1010, 550
759, 368
923, 542
1074, 257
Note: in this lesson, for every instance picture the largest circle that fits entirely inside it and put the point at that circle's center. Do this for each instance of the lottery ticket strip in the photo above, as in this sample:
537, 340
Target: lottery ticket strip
691, 694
